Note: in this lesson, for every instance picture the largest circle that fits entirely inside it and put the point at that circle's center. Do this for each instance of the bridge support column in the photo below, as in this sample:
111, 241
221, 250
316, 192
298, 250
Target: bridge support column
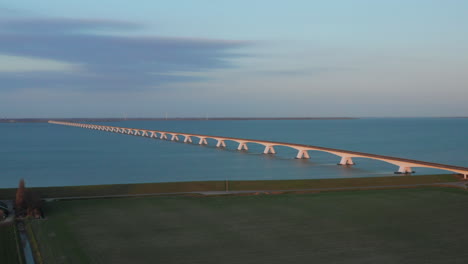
174, 138
203, 141
303, 154
269, 150
187, 139
153, 135
220, 144
346, 161
465, 176
163, 136
144, 134
242, 146
404, 170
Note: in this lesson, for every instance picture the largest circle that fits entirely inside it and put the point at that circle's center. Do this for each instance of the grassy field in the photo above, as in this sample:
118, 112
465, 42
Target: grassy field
8, 245
423, 225
201, 186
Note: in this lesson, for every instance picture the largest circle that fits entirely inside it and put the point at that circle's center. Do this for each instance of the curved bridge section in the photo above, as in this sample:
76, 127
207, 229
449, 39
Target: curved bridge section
405, 166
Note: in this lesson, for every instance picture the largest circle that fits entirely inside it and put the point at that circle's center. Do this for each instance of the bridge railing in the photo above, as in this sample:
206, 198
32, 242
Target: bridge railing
404, 165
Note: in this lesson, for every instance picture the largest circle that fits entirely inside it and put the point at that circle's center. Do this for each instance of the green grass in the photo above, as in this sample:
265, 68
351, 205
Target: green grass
340, 183
8, 245
423, 225
201, 186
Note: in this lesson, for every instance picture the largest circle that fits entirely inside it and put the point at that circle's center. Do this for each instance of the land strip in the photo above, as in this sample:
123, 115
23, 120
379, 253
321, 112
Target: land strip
45, 120
234, 186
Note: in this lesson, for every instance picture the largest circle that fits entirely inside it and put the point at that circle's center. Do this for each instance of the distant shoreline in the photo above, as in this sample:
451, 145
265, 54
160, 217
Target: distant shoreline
45, 120
113, 119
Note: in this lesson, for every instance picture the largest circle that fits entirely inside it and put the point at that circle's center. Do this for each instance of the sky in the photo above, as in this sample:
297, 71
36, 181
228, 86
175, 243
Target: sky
244, 58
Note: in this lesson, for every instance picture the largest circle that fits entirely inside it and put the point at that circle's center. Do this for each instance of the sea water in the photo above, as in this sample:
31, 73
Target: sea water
54, 155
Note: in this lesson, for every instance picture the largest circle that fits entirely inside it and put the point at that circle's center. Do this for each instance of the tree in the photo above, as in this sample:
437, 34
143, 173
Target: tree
20, 201
28, 202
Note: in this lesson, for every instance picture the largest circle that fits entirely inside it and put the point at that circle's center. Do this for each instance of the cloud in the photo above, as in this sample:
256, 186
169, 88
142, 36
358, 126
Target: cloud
107, 61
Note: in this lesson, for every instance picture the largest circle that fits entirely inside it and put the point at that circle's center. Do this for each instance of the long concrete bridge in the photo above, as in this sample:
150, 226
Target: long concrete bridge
405, 166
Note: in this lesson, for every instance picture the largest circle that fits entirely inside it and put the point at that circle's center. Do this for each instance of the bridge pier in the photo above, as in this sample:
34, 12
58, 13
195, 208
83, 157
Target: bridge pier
242, 146
269, 150
220, 144
346, 161
404, 165
404, 170
303, 154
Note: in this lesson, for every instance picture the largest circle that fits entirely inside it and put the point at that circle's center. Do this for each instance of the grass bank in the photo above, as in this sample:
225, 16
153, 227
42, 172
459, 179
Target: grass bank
9, 245
202, 186
423, 225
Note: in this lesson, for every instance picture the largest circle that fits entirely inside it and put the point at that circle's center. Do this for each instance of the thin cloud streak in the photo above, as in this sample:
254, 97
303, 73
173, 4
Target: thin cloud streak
108, 61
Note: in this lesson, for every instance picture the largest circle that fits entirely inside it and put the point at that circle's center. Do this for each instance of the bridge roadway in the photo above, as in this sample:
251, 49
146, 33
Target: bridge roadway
404, 165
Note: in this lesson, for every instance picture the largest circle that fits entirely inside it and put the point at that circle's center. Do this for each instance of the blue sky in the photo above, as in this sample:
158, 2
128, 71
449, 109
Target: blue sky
233, 58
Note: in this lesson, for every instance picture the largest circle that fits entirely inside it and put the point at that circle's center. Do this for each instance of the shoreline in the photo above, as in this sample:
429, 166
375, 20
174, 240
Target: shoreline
45, 120
113, 119
138, 189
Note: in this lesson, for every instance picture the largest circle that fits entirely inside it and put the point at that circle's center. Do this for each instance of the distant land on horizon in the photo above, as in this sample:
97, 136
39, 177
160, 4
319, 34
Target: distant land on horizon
104, 119
113, 119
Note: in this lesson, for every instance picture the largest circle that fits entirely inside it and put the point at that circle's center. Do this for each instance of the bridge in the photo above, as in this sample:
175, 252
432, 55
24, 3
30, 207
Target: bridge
405, 166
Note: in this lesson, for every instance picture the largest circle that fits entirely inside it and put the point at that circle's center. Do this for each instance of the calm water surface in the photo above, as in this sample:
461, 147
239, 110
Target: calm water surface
54, 155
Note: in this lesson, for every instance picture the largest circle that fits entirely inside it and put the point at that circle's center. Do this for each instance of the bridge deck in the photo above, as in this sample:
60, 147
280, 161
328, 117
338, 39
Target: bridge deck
458, 169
